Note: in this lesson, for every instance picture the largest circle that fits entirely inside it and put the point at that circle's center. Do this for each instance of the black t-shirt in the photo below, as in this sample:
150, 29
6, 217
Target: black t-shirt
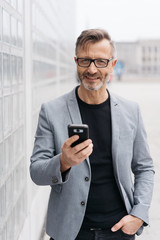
105, 206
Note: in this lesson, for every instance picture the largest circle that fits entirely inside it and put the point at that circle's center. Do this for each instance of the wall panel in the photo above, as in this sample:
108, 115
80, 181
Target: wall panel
36, 63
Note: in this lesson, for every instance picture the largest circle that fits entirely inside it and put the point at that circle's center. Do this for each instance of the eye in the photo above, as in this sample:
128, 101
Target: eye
84, 60
101, 61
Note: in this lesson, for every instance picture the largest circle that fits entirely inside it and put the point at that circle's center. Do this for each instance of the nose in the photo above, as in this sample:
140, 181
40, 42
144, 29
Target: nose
92, 68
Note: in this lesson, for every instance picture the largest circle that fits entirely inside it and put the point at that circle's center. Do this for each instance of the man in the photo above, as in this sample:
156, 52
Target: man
92, 193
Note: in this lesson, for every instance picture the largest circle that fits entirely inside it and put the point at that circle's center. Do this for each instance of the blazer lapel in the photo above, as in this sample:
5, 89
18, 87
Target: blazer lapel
73, 108
115, 114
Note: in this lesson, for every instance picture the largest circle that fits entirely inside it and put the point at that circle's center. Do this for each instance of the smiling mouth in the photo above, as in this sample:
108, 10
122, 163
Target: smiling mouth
92, 78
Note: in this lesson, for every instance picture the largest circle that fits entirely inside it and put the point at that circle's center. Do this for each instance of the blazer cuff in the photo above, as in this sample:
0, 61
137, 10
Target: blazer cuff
141, 211
48, 172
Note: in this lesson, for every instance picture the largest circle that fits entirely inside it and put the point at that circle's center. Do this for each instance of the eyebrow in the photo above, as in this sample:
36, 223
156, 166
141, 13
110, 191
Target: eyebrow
93, 58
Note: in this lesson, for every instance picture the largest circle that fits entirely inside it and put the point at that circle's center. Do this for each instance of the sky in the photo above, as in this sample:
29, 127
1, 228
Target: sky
125, 20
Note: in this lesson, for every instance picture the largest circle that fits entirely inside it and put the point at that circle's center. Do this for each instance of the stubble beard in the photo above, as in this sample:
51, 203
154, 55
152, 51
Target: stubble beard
90, 88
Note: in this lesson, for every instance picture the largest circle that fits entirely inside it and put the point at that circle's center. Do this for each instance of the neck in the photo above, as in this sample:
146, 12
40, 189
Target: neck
93, 96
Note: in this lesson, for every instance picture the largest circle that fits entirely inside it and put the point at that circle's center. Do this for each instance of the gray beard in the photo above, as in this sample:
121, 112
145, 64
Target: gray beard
92, 88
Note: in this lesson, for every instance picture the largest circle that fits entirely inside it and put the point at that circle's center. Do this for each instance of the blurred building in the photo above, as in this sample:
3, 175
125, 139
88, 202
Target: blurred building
140, 58
35, 62
149, 57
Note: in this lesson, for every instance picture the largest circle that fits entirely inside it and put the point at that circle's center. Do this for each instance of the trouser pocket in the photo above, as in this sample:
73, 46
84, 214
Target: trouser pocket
126, 236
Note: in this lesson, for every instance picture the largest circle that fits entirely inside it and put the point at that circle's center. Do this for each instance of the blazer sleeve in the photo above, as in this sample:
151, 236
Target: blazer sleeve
142, 167
45, 164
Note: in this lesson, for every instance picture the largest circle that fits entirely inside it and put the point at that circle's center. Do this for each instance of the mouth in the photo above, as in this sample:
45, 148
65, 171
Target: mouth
89, 78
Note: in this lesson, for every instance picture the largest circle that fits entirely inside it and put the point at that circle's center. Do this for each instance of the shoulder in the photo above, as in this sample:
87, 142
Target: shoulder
128, 110
123, 102
59, 102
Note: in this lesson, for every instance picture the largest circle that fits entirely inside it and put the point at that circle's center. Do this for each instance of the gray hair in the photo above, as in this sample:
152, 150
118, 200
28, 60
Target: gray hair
93, 36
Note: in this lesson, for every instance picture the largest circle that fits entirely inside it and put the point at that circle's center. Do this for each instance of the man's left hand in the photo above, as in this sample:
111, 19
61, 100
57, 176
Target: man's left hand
129, 224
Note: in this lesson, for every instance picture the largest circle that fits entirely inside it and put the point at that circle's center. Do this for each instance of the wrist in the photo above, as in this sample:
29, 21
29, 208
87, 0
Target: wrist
63, 165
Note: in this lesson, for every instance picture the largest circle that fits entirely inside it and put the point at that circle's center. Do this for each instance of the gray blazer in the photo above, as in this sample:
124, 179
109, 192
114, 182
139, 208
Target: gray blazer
130, 154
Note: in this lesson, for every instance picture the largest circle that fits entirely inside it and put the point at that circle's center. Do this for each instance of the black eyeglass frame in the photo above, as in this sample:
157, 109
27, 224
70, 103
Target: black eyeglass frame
93, 60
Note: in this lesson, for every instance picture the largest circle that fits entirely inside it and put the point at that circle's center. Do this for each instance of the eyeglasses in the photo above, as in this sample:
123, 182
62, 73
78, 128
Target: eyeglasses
99, 63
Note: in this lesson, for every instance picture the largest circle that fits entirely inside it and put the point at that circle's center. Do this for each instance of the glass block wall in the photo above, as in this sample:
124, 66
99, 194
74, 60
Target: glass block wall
12, 120
36, 64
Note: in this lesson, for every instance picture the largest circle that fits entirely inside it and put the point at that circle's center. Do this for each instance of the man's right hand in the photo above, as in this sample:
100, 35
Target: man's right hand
72, 156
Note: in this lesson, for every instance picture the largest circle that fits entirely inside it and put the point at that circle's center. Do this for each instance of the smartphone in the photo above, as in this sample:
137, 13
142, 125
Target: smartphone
78, 129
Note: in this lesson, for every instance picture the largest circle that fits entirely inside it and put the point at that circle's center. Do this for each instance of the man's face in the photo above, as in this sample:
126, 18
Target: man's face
93, 78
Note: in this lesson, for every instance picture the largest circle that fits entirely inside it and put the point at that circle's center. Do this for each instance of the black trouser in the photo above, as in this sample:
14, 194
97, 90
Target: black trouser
99, 234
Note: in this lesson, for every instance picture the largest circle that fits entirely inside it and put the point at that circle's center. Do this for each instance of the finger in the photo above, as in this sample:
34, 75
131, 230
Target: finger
85, 152
81, 146
71, 140
117, 226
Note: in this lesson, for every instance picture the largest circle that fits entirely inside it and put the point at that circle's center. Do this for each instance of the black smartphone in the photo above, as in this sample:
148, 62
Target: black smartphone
78, 129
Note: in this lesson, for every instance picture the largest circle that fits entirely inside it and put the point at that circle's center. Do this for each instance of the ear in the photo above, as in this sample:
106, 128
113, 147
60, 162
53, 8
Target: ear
75, 59
114, 61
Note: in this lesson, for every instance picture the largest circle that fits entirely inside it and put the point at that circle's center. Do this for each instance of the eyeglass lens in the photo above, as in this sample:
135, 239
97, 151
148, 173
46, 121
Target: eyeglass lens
84, 62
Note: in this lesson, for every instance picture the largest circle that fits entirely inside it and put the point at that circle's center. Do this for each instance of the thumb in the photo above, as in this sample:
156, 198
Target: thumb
117, 226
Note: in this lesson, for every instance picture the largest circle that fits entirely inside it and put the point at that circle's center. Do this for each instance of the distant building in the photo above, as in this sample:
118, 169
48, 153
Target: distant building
149, 57
140, 58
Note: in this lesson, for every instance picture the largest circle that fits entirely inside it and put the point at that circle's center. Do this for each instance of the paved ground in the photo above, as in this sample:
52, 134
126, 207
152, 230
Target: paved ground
148, 97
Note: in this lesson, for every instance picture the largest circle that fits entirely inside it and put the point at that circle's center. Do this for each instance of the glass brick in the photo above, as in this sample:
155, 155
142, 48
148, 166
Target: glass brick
6, 70
0, 70
17, 218
2, 203
13, 31
0, 24
8, 153
33, 14
20, 142
6, 27
14, 79
1, 121
21, 106
3, 234
7, 115
22, 204
15, 146
1, 159
20, 6
15, 187
14, 3
17, 177
20, 35
9, 192
20, 69
10, 226
15, 110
